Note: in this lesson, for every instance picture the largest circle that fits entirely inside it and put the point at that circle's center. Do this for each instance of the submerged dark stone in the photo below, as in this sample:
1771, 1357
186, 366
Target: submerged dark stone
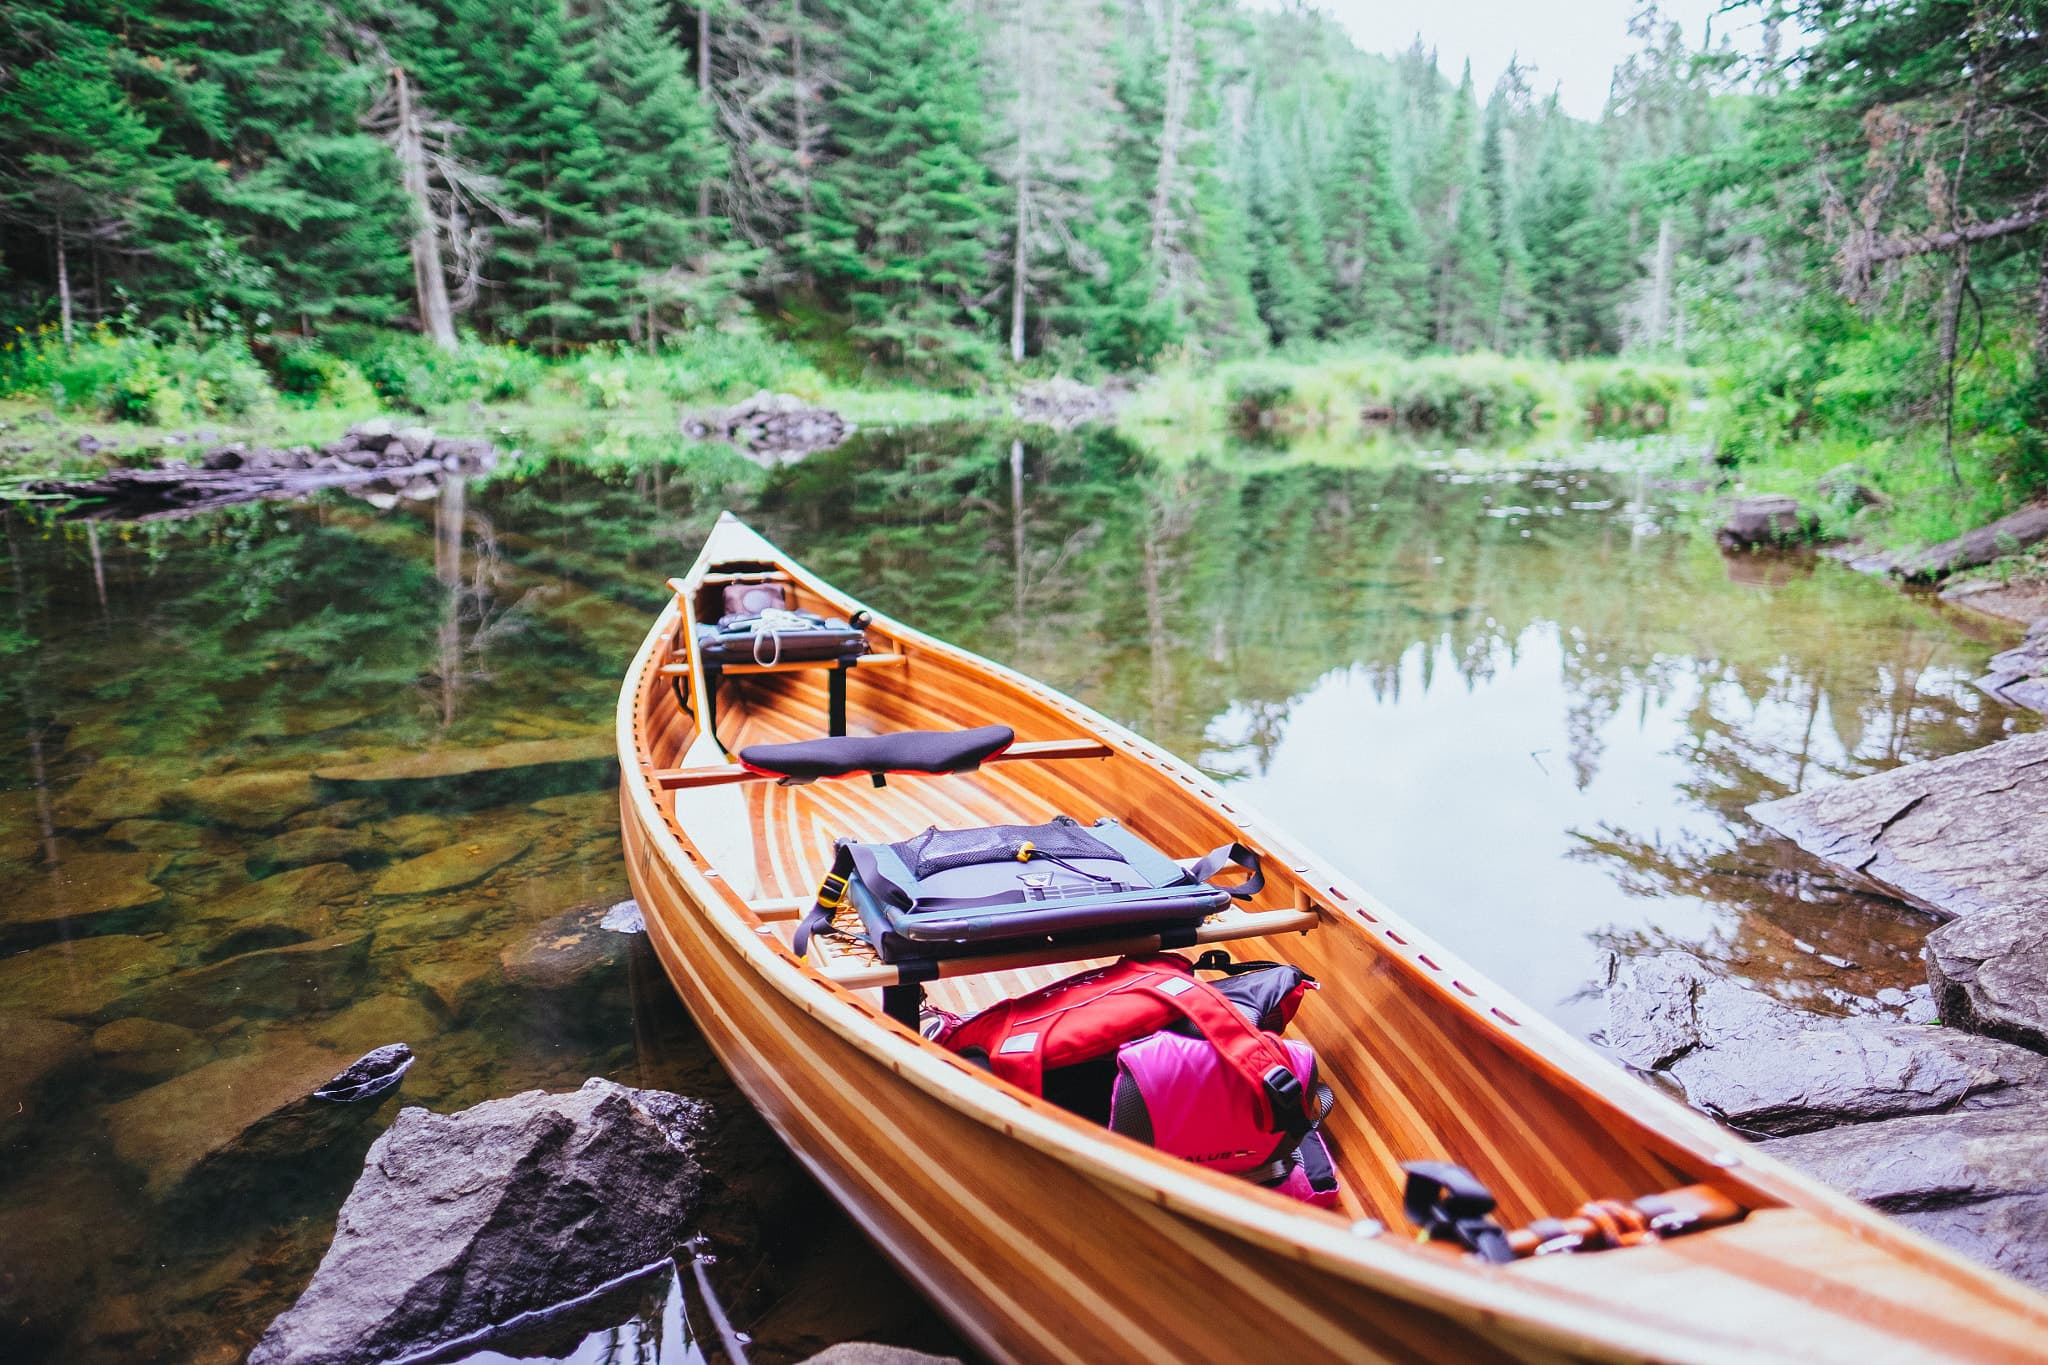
463, 1221
1766, 1067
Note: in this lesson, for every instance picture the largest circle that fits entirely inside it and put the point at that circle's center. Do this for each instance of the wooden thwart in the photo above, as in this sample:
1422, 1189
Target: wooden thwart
682, 670
676, 779
859, 974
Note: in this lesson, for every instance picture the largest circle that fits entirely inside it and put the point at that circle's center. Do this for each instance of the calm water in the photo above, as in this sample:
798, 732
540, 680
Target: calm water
1528, 710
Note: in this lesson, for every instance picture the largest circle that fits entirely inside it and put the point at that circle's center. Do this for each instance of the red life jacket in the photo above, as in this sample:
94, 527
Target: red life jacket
1091, 1015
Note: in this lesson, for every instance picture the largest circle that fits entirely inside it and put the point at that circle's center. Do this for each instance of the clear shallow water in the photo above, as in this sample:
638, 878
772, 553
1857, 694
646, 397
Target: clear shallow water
1528, 711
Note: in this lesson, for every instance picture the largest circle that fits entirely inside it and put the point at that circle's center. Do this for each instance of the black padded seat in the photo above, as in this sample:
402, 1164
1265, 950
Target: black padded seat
906, 751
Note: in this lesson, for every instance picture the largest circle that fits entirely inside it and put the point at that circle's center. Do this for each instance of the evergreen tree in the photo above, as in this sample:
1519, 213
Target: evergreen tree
901, 220
1500, 168
664, 268
302, 210
1464, 272
79, 165
1373, 243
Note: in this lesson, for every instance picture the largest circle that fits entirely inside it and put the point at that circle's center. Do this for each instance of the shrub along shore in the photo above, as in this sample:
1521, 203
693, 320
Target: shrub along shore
75, 409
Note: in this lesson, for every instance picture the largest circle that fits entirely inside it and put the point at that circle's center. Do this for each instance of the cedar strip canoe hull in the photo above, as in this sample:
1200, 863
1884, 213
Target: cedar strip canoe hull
1045, 1238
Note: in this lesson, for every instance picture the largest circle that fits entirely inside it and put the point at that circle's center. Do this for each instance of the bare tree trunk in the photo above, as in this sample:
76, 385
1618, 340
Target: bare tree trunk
1172, 131
430, 286
63, 284
1016, 551
1952, 308
703, 93
801, 92
1657, 324
1019, 271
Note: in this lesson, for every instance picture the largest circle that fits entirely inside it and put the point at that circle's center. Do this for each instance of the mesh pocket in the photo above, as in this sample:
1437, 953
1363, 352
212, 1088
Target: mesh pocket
939, 850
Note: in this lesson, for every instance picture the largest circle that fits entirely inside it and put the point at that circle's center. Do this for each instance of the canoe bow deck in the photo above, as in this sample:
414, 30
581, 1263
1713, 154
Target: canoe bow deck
1047, 1238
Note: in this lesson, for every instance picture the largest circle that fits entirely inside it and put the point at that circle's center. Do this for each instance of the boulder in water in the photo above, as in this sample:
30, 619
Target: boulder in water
461, 1222
1989, 972
1764, 520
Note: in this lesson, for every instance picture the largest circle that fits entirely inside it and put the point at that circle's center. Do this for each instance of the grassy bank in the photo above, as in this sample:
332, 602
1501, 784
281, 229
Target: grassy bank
1330, 399
134, 392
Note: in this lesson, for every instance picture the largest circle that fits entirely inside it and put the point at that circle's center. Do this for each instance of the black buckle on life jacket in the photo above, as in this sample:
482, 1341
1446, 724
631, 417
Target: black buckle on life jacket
1288, 1104
1450, 1205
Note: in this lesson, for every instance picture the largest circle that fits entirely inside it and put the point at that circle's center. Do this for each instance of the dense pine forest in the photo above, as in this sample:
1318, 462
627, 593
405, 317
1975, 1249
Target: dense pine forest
1847, 220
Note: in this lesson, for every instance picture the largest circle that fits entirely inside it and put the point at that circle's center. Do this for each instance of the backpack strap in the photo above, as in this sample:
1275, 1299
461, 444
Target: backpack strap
1231, 855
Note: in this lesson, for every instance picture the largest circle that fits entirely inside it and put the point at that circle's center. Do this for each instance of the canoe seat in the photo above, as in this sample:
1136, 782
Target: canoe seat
905, 751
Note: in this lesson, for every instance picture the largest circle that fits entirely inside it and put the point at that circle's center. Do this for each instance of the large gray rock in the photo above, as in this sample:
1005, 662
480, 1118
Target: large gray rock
1959, 835
1765, 1067
875, 1353
462, 1221
2007, 535
1989, 972
1977, 1181
1765, 519
2019, 676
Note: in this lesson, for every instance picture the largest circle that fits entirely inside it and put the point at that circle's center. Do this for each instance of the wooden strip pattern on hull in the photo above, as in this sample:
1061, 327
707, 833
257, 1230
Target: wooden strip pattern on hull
1046, 1238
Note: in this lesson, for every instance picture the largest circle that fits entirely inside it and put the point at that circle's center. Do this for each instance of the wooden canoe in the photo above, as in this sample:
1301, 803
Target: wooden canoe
1044, 1237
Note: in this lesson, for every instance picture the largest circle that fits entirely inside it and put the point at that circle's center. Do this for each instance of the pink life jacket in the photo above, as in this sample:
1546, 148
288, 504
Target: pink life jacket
1181, 1095
1098, 1012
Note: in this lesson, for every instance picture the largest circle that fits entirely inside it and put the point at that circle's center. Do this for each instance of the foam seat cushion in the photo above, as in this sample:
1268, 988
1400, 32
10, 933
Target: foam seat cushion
906, 751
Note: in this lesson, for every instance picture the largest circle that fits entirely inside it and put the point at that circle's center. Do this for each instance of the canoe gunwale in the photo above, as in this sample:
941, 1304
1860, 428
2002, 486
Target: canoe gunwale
1538, 1312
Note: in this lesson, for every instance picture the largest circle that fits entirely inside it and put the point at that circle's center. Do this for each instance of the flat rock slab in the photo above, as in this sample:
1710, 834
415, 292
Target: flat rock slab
463, 1221
88, 891
1765, 1067
527, 769
1989, 972
447, 868
1976, 1181
1958, 835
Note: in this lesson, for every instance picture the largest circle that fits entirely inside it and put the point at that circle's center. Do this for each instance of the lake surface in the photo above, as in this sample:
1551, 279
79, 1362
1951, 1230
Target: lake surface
1528, 709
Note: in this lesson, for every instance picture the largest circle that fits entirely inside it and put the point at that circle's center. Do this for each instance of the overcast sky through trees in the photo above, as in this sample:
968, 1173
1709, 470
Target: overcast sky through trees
1573, 44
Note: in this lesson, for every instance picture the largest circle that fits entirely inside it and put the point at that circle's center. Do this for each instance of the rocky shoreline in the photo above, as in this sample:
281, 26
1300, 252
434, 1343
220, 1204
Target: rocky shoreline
382, 461
1937, 1110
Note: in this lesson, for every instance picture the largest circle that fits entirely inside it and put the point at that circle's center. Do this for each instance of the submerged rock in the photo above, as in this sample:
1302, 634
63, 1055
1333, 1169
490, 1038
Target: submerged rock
31, 1049
84, 890
568, 950
287, 908
150, 1047
313, 844
447, 868
1989, 972
1960, 835
462, 1221
258, 800
299, 978
1765, 1067
1763, 520
82, 977
492, 775
1976, 1181
156, 835
116, 789
263, 1105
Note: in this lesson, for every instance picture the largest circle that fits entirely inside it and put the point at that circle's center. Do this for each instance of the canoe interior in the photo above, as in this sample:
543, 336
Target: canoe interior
1417, 1077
